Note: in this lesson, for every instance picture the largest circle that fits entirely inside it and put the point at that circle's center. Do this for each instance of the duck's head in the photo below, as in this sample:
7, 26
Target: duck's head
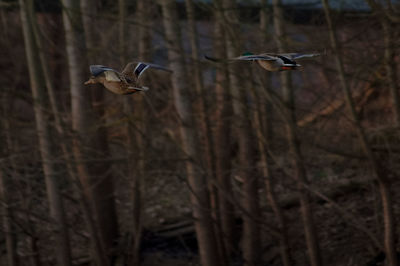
247, 53
92, 80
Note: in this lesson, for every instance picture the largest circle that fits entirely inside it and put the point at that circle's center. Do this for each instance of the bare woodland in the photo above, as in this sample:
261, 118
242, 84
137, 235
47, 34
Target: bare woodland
217, 164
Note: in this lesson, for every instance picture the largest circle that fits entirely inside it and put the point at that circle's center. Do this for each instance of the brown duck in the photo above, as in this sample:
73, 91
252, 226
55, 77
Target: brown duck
125, 82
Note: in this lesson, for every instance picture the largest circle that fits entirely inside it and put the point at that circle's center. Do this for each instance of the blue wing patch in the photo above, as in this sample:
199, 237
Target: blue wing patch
140, 68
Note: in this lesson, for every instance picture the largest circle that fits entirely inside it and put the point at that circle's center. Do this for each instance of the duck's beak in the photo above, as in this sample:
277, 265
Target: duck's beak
90, 81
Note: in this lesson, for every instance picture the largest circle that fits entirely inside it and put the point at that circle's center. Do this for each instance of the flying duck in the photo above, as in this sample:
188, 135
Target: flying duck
270, 62
125, 82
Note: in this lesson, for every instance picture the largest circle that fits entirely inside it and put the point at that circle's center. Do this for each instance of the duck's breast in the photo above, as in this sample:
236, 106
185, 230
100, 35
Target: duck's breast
115, 87
270, 65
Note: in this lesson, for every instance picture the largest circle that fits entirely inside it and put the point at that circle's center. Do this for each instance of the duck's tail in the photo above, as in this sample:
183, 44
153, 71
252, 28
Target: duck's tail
143, 88
213, 59
220, 60
137, 89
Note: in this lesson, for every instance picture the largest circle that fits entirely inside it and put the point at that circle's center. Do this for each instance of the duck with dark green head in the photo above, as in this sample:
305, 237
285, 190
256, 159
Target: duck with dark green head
271, 62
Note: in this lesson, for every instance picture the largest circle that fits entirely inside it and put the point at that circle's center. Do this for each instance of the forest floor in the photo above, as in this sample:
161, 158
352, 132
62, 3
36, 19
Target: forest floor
344, 227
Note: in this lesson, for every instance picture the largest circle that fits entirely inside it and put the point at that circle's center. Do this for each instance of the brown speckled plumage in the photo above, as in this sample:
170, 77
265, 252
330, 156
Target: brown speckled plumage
125, 82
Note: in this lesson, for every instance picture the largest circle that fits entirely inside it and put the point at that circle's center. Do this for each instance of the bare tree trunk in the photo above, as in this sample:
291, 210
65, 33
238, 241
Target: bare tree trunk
263, 146
7, 180
63, 252
145, 10
80, 103
8, 228
226, 209
389, 54
200, 195
100, 173
34, 259
300, 174
203, 121
122, 31
60, 127
134, 107
84, 201
263, 127
201, 108
75, 46
136, 169
67, 153
376, 168
88, 9
391, 67
82, 121
251, 231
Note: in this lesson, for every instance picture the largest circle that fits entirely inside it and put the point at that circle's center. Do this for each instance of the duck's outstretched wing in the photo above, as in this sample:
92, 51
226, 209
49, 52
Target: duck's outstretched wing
99, 69
142, 66
297, 56
110, 74
263, 57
